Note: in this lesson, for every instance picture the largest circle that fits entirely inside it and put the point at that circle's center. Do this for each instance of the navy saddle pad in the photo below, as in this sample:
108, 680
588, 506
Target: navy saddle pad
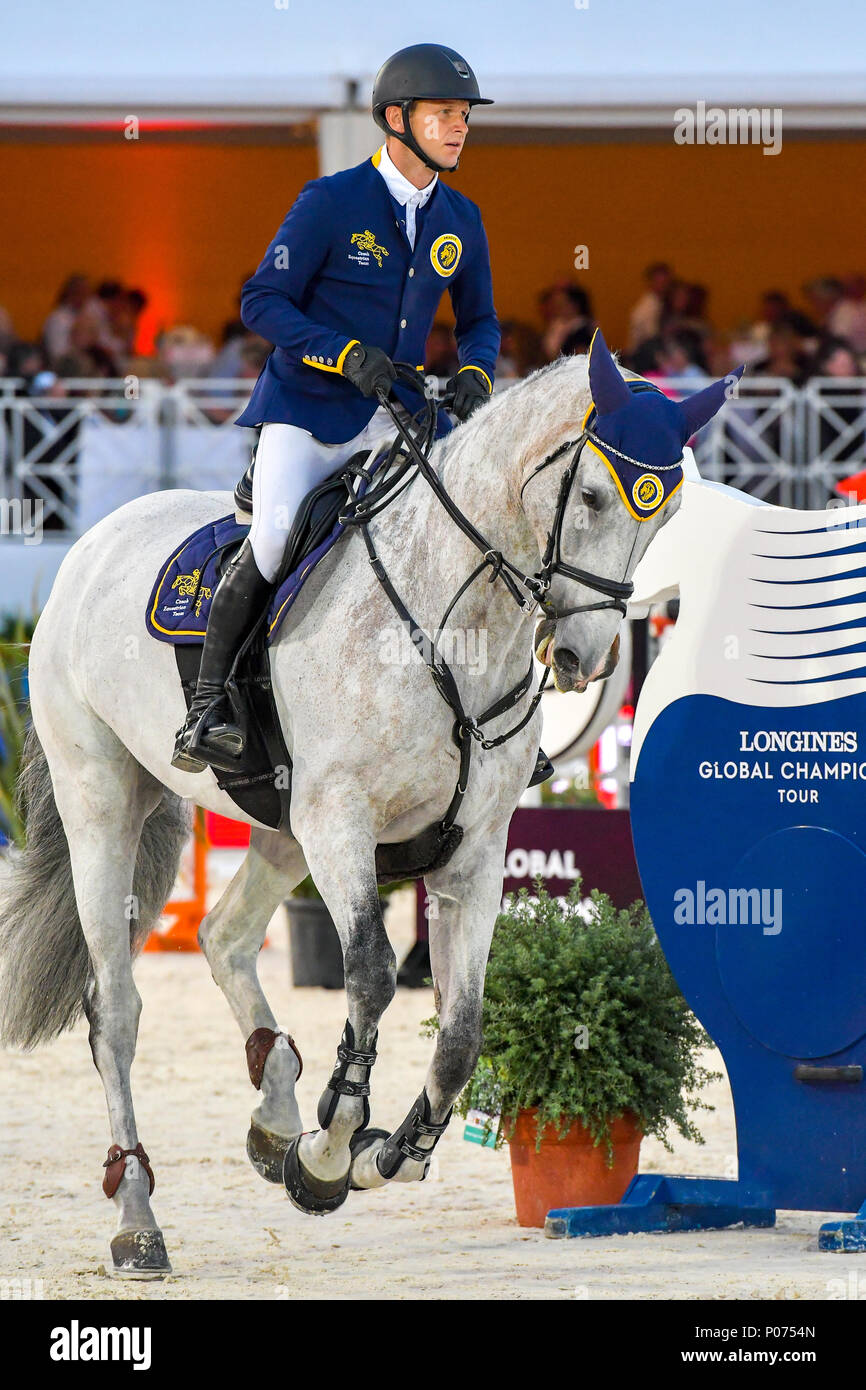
179, 603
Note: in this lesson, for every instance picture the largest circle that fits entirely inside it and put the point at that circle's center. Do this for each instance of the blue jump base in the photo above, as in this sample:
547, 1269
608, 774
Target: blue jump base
844, 1235
655, 1203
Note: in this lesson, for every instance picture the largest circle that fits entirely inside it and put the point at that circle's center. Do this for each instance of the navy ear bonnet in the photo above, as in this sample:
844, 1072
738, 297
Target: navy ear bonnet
639, 434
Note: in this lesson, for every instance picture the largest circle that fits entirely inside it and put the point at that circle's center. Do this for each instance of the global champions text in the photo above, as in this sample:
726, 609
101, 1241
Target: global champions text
789, 769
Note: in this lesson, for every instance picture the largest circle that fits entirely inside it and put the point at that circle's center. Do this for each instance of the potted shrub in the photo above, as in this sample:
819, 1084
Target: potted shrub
588, 1046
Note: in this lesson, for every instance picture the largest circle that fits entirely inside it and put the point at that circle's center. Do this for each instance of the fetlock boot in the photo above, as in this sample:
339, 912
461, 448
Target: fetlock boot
209, 734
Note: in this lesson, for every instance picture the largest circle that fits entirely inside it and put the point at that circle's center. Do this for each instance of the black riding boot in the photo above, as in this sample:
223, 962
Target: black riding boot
209, 734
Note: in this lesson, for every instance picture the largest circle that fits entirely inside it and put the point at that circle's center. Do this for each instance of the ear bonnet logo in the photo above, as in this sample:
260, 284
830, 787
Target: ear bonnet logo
647, 492
639, 433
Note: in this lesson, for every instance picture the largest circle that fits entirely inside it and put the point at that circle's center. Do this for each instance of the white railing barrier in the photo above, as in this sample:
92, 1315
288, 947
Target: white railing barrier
107, 441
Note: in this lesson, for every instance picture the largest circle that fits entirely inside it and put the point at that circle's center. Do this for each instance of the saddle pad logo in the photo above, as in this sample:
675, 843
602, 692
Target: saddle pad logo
445, 253
189, 586
367, 247
647, 492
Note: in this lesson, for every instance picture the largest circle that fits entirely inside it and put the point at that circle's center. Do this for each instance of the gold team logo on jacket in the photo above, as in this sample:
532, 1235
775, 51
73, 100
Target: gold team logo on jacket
367, 247
445, 253
647, 492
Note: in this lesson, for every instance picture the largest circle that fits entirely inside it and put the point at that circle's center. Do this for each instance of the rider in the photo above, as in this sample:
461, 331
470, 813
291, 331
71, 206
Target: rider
352, 279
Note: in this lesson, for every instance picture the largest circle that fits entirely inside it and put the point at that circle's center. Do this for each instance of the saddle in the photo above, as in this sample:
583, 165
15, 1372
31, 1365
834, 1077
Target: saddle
177, 613
262, 784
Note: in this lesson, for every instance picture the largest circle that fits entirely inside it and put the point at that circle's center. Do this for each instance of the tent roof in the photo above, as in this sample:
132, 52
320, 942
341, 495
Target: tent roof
287, 60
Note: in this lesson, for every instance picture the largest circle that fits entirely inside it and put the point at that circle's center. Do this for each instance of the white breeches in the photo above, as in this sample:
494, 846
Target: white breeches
290, 461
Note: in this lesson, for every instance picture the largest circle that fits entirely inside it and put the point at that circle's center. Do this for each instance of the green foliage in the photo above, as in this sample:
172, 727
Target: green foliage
572, 795
15, 629
583, 1020
306, 889
386, 889
14, 713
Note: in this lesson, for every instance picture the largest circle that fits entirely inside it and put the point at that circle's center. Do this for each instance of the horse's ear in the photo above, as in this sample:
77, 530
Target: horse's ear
701, 407
609, 391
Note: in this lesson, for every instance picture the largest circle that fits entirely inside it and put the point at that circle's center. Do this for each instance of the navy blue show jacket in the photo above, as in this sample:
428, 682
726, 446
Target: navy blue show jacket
339, 271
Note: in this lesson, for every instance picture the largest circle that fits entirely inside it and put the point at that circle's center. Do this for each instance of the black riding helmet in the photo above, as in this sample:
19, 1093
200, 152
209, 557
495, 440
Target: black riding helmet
423, 72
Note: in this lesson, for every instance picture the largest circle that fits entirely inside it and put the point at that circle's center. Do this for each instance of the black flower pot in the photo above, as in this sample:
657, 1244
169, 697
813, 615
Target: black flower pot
317, 956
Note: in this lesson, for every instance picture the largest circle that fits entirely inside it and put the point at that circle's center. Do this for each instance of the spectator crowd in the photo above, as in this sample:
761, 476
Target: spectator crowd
671, 334
93, 328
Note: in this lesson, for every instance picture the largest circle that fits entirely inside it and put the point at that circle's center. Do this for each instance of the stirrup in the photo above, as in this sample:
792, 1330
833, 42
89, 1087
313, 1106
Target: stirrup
219, 745
543, 770
182, 758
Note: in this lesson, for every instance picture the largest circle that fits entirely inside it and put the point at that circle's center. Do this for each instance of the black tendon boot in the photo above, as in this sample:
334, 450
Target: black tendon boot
209, 734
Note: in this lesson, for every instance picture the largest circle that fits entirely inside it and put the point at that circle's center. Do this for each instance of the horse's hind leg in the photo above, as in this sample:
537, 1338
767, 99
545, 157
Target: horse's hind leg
103, 797
231, 937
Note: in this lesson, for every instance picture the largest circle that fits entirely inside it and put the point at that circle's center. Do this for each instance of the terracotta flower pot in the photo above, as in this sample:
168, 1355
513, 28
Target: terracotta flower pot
569, 1172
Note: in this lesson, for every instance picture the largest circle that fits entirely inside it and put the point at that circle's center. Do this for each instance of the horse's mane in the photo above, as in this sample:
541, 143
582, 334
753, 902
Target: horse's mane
537, 411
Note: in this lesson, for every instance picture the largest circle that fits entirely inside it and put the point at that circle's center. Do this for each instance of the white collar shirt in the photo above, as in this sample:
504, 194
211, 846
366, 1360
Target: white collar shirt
406, 194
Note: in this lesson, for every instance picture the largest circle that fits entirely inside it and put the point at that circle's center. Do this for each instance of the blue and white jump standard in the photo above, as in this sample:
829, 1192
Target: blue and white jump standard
748, 806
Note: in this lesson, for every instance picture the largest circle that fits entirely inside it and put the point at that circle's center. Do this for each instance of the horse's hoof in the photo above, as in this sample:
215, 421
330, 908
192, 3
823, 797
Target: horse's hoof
266, 1152
360, 1141
140, 1255
307, 1193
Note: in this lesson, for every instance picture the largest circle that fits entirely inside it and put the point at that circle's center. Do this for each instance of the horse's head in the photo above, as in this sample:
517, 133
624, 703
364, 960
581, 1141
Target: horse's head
595, 504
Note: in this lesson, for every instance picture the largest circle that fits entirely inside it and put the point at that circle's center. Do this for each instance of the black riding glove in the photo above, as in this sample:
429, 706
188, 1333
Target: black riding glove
368, 368
470, 388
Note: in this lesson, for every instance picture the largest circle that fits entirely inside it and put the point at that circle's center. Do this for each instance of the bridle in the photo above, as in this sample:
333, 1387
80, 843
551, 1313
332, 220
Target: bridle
527, 590
535, 585
618, 592
552, 563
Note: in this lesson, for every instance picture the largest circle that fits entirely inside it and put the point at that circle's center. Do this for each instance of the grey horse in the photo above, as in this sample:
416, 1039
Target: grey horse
374, 763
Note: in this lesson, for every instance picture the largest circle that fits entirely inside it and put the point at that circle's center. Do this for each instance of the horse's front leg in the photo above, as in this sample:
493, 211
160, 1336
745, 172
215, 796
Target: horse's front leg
464, 903
341, 858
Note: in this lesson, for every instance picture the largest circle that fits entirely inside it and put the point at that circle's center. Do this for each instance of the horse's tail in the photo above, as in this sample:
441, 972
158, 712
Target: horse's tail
44, 961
